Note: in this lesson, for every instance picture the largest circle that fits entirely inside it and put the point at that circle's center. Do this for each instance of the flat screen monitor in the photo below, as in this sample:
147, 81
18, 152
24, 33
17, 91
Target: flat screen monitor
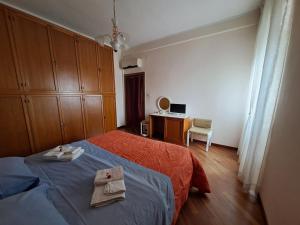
177, 108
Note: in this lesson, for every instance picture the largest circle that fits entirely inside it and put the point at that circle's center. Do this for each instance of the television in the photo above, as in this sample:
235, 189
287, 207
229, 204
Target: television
177, 108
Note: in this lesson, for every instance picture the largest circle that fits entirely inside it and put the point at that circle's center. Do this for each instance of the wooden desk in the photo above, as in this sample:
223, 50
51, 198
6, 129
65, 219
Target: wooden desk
169, 127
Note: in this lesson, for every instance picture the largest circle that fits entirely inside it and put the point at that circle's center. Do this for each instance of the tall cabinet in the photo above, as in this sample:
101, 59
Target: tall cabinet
33, 52
56, 86
9, 78
65, 60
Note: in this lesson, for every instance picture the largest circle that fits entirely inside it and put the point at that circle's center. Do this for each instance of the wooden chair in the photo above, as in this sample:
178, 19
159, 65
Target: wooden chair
200, 128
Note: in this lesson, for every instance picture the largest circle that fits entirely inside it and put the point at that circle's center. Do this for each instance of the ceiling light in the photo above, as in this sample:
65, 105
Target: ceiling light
118, 39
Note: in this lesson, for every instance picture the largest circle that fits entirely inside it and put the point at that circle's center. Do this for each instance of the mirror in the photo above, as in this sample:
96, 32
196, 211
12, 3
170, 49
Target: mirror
163, 104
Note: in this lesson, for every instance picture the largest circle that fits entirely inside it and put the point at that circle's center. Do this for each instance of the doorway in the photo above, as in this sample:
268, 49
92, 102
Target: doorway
134, 100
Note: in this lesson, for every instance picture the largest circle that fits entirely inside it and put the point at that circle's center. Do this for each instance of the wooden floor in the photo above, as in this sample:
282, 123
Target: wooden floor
227, 204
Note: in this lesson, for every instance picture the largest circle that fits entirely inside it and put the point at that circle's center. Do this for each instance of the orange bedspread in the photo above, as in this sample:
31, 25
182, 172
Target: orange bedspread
175, 161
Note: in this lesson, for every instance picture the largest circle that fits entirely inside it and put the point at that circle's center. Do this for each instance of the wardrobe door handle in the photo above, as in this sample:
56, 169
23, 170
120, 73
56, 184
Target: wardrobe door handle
26, 100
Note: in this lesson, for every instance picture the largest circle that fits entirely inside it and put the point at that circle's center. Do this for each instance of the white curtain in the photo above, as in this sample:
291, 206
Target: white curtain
267, 71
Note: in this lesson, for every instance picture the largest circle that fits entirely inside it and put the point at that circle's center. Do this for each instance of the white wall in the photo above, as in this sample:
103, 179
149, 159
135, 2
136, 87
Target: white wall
280, 189
119, 87
210, 74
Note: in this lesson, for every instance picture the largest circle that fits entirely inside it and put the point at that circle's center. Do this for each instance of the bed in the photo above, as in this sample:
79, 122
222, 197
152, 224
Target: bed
149, 194
158, 177
176, 162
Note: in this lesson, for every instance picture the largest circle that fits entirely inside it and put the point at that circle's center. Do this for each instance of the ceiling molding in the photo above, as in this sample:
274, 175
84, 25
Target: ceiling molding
194, 39
229, 25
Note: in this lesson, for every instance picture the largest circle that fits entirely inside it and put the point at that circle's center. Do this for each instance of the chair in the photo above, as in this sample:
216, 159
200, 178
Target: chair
200, 128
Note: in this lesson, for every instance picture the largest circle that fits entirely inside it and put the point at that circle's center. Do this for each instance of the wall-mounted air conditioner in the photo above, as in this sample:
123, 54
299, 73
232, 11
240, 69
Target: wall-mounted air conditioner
128, 63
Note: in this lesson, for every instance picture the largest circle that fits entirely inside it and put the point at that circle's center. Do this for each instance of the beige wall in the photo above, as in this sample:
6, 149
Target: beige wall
210, 73
280, 190
119, 87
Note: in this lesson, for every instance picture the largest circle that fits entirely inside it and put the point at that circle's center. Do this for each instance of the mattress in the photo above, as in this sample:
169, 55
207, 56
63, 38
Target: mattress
176, 162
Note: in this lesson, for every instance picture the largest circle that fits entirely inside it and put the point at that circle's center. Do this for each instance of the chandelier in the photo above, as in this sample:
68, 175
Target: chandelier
118, 39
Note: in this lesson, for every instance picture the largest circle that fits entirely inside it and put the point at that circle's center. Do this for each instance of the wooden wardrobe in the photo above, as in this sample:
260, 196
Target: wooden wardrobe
55, 86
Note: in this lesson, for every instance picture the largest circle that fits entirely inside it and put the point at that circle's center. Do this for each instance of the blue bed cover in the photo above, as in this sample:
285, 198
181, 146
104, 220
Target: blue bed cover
149, 195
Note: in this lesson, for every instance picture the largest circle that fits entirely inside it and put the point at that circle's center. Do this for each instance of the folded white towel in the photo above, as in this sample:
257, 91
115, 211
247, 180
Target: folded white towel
114, 187
70, 150
107, 175
100, 199
70, 157
53, 155
64, 153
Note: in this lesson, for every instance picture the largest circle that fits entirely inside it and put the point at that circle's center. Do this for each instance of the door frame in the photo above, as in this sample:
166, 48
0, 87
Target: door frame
138, 74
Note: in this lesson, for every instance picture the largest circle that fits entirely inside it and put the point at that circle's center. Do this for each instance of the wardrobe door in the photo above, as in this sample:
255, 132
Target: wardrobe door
8, 74
109, 111
44, 121
89, 72
33, 52
72, 118
93, 115
107, 70
65, 62
14, 137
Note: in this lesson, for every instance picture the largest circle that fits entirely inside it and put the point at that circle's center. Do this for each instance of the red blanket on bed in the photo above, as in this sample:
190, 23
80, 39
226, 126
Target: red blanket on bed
175, 161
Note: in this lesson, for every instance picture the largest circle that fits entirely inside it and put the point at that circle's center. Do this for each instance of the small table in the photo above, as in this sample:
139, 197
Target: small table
169, 127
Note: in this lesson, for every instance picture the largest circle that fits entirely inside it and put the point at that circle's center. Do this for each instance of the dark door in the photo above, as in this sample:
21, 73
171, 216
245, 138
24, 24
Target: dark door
135, 100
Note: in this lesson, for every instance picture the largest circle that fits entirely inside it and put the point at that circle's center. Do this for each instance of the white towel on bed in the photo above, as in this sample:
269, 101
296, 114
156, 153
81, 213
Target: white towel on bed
53, 155
63, 153
70, 157
107, 175
114, 187
100, 199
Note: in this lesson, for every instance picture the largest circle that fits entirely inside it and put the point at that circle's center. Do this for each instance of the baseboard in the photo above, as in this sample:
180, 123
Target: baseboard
217, 145
225, 146
263, 208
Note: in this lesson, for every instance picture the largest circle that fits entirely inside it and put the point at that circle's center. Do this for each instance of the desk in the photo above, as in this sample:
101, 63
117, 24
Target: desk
169, 127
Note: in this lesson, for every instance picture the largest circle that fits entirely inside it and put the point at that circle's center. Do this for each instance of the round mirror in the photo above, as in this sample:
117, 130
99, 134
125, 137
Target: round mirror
163, 104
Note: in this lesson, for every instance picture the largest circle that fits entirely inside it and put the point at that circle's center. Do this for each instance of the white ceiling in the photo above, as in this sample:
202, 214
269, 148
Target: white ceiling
142, 20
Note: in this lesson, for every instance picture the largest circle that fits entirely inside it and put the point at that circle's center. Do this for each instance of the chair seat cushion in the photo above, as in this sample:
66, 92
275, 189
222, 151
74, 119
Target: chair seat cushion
202, 131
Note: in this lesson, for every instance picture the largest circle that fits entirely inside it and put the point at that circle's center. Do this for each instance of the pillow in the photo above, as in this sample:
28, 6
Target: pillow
31, 207
15, 177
